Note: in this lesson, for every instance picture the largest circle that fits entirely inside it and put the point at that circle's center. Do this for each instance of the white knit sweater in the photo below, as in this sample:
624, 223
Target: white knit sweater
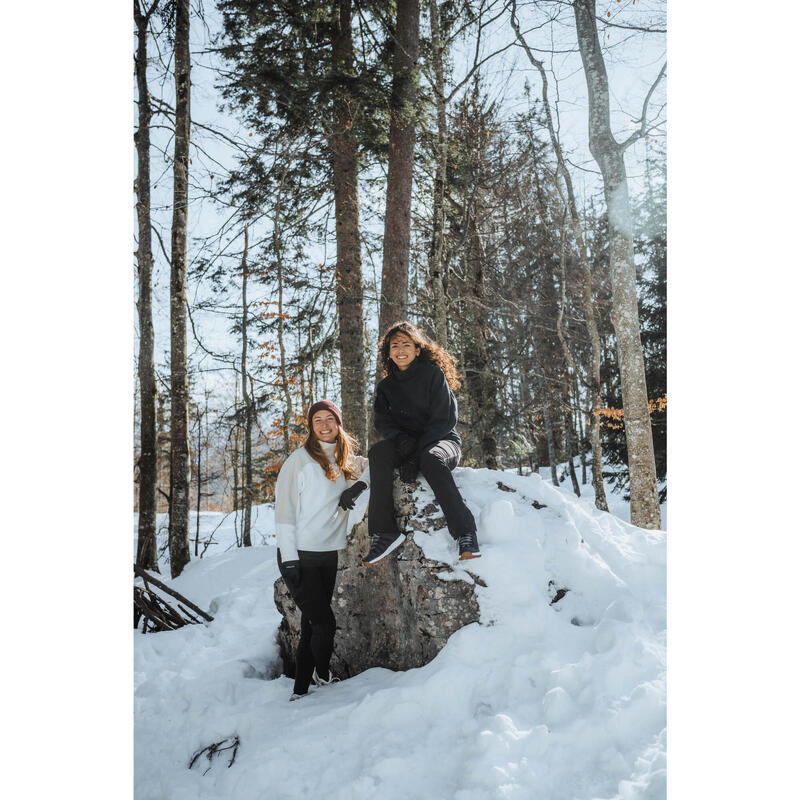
307, 513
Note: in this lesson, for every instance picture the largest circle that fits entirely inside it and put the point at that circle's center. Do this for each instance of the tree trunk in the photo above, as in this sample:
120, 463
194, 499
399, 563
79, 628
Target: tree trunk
199, 482
146, 553
349, 286
402, 135
477, 367
179, 390
568, 436
288, 411
579, 425
437, 267
235, 458
588, 308
248, 409
609, 156
551, 443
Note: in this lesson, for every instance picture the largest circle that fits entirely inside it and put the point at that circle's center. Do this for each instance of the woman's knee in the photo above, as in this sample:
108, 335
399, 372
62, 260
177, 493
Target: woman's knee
381, 451
431, 458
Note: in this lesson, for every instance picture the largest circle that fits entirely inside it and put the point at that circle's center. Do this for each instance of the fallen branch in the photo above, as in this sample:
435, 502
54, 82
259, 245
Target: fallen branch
137, 570
211, 750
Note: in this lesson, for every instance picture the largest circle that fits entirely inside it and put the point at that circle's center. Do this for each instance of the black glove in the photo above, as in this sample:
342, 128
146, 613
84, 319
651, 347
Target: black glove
347, 499
291, 574
405, 446
408, 471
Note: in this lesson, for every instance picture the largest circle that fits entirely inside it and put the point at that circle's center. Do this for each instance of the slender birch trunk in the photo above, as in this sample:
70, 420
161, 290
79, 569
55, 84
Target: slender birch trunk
146, 553
180, 466
199, 482
288, 412
247, 402
609, 155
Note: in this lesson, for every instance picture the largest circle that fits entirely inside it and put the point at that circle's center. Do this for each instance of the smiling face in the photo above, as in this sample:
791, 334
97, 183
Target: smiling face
325, 427
402, 351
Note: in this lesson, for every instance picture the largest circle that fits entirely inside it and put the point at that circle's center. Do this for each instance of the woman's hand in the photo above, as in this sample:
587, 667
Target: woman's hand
347, 499
408, 471
291, 574
405, 445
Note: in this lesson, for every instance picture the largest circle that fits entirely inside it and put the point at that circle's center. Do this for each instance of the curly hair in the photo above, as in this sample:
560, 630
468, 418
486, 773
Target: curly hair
428, 351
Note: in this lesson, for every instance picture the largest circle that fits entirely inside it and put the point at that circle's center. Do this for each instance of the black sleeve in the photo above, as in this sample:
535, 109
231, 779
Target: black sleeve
443, 409
383, 421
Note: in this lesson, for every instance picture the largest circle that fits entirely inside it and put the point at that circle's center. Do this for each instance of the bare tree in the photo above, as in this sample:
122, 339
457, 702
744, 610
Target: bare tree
146, 553
609, 155
247, 403
179, 389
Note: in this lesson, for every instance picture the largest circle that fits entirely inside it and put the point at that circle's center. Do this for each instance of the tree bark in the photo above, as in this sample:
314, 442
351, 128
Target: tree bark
146, 552
402, 137
437, 267
477, 366
199, 481
568, 436
609, 156
349, 284
248, 409
288, 411
179, 390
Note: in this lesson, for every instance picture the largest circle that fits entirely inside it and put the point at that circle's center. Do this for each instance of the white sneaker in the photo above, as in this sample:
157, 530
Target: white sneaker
319, 682
297, 696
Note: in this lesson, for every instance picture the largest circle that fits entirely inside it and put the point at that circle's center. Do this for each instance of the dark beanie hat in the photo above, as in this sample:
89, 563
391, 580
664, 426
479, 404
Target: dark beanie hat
327, 406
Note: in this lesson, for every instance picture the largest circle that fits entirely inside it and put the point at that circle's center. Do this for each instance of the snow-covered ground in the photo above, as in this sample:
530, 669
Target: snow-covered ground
534, 701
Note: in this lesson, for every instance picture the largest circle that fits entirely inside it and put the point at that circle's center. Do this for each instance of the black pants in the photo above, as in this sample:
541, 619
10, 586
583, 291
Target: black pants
317, 622
436, 463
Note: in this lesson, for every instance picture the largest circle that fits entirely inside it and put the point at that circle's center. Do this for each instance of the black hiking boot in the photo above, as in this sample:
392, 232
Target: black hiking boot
381, 545
468, 546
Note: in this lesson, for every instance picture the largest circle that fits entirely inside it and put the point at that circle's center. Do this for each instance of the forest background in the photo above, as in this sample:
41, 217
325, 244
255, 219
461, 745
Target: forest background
326, 169
734, 257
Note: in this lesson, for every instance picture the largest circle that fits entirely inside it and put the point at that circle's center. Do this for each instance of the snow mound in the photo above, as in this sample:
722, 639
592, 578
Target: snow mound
558, 691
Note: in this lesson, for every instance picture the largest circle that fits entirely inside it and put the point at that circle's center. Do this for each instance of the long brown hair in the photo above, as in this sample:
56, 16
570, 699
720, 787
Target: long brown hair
346, 447
428, 350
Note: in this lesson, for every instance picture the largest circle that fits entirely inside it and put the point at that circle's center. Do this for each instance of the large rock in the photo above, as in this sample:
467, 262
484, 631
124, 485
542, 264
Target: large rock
397, 614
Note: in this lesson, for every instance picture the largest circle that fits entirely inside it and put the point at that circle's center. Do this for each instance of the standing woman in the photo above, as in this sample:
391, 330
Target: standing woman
416, 414
316, 487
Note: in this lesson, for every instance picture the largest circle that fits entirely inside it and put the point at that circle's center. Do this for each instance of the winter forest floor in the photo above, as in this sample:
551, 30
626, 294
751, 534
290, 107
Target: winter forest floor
535, 701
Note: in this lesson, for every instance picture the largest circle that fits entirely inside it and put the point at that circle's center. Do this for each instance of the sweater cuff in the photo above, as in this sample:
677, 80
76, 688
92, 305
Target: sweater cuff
287, 541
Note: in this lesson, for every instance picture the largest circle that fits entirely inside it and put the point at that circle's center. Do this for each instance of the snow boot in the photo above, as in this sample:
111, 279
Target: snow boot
468, 546
381, 545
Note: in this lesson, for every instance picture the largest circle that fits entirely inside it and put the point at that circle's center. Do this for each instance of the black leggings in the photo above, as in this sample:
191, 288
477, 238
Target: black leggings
317, 622
436, 463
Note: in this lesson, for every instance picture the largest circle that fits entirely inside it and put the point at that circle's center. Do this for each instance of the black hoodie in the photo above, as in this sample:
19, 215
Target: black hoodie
417, 401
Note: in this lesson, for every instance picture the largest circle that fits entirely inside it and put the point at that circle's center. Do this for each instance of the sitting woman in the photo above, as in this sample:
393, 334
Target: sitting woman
316, 486
416, 414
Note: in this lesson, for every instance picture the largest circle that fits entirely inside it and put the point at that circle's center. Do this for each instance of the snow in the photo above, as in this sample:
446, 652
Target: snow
534, 701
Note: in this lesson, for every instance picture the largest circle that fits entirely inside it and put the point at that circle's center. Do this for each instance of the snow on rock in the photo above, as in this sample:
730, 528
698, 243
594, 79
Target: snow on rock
549, 696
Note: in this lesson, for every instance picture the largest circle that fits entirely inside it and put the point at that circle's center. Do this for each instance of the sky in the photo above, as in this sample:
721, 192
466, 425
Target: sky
67, 329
